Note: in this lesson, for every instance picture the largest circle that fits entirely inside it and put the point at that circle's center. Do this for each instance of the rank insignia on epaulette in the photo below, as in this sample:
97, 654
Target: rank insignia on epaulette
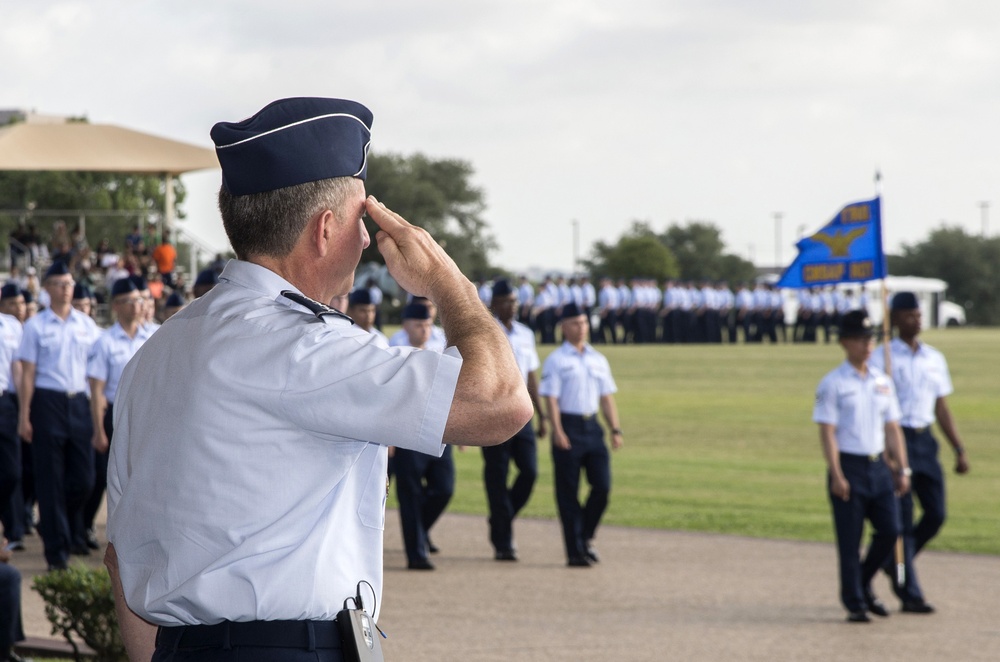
319, 309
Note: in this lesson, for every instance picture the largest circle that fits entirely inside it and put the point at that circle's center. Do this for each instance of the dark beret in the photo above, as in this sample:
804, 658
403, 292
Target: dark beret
9, 291
905, 301
856, 324
416, 311
124, 286
57, 268
175, 300
207, 277
360, 297
571, 310
293, 141
81, 291
502, 288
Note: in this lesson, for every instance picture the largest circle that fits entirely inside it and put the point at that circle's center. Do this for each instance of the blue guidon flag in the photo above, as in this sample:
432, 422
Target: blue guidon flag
848, 249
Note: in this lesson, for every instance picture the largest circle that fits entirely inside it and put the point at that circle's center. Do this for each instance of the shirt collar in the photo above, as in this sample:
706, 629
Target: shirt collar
257, 278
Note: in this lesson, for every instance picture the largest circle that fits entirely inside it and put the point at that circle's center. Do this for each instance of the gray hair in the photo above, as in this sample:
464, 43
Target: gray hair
270, 223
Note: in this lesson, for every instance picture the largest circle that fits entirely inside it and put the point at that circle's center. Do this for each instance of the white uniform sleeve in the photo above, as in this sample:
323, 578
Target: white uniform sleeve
825, 409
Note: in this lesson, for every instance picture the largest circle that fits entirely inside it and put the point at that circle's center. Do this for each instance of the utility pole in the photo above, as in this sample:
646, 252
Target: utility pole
777, 238
576, 245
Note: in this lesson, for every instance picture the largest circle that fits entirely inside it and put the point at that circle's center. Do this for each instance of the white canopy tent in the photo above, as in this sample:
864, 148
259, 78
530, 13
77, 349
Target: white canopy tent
80, 146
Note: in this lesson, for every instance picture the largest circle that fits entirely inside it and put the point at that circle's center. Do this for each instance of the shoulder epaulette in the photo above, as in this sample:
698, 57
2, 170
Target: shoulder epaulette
317, 308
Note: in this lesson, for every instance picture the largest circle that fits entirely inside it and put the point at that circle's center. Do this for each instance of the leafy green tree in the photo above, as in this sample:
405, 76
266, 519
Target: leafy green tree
970, 264
437, 195
93, 192
637, 253
701, 253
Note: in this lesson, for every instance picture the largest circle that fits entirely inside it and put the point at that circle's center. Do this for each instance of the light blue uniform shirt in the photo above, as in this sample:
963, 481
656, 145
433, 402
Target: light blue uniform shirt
110, 353
522, 341
10, 340
577, 380
436, 343
59, 349
247, 479
859, 407
920, 378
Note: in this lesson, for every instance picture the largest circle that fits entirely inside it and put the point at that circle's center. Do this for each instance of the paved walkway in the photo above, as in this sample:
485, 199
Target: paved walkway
656, 595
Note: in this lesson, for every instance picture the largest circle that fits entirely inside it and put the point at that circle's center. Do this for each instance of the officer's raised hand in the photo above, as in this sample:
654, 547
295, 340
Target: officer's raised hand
414, 259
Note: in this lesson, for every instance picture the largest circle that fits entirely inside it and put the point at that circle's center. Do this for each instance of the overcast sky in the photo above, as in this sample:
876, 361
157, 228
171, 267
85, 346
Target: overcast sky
725, 111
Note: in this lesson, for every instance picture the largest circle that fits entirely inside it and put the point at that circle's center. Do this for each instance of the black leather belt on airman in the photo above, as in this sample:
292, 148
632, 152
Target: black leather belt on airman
582, 417
917, 430
854, 456
309, 635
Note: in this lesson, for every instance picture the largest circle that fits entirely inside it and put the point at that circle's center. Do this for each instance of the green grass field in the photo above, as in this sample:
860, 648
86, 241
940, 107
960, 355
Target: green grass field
720, 438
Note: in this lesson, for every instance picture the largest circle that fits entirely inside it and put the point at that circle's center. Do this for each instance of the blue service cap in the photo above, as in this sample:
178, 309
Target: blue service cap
175, 300
502, 288
571, 310
856, 324
81, 291
416, 311
124, 286
293, 141
28, 296
207, 277
360, 297
57, 268
9, 291
139, 281
905, 301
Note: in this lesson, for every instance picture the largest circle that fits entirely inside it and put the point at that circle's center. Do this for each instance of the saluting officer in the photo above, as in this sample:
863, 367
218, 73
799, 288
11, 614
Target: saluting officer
107, 359
506, 502
55, 415
240, 528
11, 507
921, 377
576, 383
858, 416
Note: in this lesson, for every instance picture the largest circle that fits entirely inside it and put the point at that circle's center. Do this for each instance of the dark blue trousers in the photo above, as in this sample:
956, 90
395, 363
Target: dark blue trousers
424, 486
11, 508
100, 473
64, 470
505, 502
10, 609
927, 483
872, 498
587, 453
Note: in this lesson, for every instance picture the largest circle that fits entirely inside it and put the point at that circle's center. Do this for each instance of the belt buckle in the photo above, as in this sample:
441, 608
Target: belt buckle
875, 457
587, 417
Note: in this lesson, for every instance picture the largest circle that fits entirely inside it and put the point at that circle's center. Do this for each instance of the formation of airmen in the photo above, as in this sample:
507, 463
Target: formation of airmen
638, 310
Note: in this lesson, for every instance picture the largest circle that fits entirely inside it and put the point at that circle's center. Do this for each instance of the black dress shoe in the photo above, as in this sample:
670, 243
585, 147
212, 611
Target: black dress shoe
917, 607
591, 553
858, 617
420, 564
875, 605
56, 567
505, 555
579, 562
431, 547
92, 541
79, 550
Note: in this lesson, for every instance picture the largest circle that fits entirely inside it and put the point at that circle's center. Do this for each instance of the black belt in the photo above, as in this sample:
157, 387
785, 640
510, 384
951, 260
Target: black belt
854, 456
917, 430
268, 634
582, 417
66, 394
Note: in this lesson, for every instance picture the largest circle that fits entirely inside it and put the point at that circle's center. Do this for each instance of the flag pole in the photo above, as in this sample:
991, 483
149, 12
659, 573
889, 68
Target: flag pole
900, 552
